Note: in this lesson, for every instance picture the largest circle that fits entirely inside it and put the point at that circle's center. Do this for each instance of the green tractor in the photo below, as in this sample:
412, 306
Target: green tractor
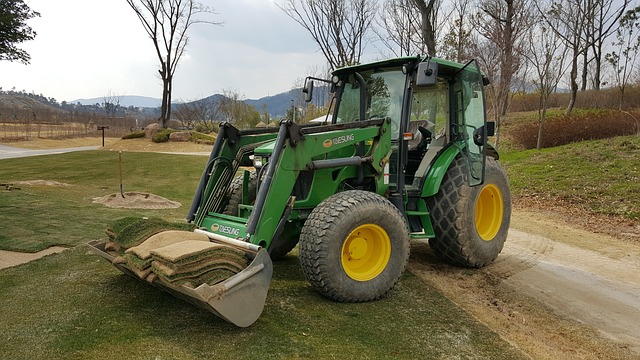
401, 155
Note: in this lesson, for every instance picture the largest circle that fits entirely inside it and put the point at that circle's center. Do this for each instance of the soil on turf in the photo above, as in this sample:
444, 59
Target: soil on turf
136, 200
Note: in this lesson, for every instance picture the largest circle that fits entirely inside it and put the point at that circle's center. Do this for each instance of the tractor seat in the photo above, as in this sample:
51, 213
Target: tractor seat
421, 137
434, 149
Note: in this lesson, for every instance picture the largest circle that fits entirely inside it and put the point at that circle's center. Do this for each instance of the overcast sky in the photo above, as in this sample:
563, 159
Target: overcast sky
88, 48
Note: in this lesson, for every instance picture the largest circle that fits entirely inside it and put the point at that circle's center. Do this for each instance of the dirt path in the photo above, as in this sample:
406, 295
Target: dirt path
13, 258
10, 152
555, 291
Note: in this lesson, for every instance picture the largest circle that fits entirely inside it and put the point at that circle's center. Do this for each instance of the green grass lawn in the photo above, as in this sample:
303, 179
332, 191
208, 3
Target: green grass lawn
601, 176
36, 217
75, 305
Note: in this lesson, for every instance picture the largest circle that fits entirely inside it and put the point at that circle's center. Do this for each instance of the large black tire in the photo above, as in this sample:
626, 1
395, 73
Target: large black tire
280, 246
354, 246
470, 223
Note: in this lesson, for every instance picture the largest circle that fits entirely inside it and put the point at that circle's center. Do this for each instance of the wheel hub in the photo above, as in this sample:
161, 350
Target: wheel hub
357, 248
489, 212
366, 252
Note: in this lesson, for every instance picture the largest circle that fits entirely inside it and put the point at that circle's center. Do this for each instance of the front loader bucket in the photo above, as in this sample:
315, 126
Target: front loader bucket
239, 299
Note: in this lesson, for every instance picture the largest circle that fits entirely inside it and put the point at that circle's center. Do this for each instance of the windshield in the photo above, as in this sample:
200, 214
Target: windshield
385, 95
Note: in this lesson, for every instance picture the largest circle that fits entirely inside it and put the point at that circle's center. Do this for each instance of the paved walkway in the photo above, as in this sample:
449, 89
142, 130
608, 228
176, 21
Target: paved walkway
10, 152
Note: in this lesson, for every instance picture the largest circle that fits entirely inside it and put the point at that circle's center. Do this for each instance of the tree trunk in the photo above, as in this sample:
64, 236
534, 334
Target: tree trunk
585, 65
596, 75
169, 92
428, 37
543, 115
573, 78
506, 68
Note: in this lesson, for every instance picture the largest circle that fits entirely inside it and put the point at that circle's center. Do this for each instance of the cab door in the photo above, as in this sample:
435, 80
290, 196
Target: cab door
471, 119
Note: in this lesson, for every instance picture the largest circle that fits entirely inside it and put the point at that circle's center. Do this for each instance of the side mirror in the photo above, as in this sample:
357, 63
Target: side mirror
481, 133
491, 128
427, 73
308, 90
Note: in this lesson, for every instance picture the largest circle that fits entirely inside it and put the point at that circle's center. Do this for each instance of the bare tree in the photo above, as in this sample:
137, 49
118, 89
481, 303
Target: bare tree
574, 21
455, 44
428, 10
488, 55
234, 110
546, 53
337, 26
602, 16
111, 103
409, 27
571, 22
625, 53
189, 113
167, 22
397, 27
200, 115
503, 24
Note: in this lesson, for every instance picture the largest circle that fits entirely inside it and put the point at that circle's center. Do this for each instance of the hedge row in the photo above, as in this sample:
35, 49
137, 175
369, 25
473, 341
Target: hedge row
565, 129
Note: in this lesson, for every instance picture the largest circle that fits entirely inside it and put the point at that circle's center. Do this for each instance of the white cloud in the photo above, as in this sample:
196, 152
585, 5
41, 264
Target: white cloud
88, 48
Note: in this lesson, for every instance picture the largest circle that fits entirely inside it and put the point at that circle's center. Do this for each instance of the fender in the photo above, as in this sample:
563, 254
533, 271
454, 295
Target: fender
491, 151
438, 169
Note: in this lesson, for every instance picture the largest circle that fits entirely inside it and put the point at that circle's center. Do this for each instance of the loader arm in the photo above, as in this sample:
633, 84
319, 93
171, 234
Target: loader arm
316, 149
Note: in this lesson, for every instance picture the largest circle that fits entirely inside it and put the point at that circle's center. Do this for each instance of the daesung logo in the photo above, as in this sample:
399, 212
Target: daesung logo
338, 140
225, 229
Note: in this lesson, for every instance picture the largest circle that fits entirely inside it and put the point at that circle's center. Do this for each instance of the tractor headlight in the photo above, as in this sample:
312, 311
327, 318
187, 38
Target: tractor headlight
259, 161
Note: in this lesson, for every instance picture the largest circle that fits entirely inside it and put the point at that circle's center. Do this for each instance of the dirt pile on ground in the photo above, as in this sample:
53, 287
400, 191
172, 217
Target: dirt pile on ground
136, 200
40, 183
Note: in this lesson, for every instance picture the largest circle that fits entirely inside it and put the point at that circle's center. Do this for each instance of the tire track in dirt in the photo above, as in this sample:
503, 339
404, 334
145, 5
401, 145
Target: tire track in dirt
585, 285
555, 291
519, 255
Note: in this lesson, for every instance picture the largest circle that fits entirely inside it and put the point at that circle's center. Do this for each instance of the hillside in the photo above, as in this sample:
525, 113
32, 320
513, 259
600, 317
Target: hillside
22, 102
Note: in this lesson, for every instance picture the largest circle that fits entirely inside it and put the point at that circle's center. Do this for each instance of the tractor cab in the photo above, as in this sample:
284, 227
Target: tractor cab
433, 104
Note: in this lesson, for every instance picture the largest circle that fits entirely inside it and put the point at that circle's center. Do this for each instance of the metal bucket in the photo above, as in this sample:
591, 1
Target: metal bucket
239, 299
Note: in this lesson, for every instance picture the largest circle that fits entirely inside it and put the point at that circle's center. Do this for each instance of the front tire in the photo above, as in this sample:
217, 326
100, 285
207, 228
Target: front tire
470, 223
354, 246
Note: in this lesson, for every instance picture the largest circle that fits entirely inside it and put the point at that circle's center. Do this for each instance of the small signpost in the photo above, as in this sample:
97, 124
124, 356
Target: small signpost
102, 127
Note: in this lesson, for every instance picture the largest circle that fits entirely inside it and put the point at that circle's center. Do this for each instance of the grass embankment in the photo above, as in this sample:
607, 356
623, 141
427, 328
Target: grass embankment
75, 305
599, 176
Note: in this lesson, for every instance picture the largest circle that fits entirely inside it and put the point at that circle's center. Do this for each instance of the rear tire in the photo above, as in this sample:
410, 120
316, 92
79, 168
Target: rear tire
354, 246
280, 246
470, 223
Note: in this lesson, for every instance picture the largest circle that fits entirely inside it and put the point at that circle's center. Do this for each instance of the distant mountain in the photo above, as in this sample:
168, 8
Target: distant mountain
126, 101
276, 105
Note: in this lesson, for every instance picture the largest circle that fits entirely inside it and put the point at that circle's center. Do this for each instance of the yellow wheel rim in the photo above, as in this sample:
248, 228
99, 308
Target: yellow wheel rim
489, 211
366, 252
